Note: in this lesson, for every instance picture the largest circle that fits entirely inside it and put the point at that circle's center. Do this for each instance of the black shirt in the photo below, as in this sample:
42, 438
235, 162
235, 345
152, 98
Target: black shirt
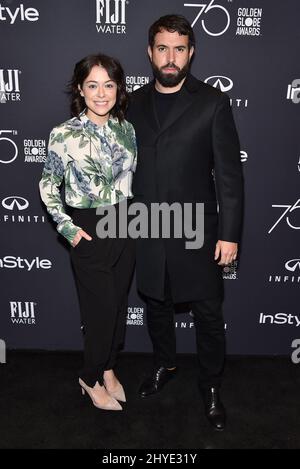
163, 104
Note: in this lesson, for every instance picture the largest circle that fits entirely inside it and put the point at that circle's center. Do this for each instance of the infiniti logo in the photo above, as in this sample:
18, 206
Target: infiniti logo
15, 201
292, 265
221, 82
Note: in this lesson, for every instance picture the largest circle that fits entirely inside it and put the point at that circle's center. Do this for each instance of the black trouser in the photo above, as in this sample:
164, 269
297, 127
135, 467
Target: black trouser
210, 335
103, 270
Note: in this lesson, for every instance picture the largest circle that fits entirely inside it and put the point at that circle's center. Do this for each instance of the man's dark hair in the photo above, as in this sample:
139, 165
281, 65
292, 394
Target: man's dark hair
171, 23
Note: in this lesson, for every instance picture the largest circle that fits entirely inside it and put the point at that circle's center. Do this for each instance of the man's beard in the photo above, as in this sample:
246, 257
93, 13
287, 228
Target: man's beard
169, 80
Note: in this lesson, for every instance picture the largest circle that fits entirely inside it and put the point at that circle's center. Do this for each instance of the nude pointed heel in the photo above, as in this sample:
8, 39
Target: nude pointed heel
111, 404
118, 394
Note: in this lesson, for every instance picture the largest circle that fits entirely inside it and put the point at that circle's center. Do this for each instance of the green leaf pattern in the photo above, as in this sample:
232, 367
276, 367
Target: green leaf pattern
95, 163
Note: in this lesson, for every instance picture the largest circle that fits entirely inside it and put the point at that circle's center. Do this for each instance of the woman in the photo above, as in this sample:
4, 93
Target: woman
95, 154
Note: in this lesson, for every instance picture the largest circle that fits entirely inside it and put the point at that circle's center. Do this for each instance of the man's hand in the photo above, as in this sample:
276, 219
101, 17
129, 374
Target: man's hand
227, 250
80, 234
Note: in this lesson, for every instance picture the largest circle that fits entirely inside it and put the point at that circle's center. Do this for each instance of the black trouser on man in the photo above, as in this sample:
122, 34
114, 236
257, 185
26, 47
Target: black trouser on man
210, 335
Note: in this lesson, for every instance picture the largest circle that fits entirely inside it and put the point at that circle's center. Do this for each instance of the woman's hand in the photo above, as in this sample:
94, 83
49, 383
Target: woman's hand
80, 234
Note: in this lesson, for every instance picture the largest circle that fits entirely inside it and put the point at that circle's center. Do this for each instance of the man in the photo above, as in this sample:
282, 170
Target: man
188, 151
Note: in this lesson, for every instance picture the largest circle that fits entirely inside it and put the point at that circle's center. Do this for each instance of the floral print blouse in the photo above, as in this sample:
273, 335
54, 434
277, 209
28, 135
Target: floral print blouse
96, 163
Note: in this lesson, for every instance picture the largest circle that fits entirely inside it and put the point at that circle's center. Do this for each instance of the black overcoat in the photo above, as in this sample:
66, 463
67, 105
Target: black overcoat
193, 157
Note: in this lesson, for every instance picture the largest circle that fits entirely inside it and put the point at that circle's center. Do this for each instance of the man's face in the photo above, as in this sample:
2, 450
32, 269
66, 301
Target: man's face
170, 57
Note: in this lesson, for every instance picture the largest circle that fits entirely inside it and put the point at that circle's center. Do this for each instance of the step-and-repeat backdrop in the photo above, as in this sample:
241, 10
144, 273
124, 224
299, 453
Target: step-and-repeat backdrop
248, 48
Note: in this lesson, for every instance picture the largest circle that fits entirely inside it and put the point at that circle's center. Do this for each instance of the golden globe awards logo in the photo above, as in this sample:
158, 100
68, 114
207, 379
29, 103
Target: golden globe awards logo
135, 316
35, 150
230, 271
249, 21
111, 16
135, 82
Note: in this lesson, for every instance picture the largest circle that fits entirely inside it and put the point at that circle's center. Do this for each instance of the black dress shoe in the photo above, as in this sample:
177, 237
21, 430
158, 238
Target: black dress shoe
214, 409
156, 381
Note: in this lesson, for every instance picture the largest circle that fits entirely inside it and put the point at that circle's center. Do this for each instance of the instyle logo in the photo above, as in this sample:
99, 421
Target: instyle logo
20, 13
111, 16
293, 91
22, 312
8, 148
12, 262
9, 85
280, 319
135, 316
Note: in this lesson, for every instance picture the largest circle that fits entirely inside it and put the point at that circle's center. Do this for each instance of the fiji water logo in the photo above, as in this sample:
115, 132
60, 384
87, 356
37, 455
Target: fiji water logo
23, 312
9, 85
111, 16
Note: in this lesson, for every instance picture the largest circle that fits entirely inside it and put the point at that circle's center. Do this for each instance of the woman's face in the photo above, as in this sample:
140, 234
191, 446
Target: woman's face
100, 94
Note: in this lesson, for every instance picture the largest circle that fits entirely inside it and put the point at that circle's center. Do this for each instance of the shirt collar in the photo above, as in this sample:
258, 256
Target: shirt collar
92, 126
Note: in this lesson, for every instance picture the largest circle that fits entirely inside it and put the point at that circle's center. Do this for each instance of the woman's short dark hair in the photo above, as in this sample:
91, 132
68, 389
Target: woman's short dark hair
171, 23
81, 72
